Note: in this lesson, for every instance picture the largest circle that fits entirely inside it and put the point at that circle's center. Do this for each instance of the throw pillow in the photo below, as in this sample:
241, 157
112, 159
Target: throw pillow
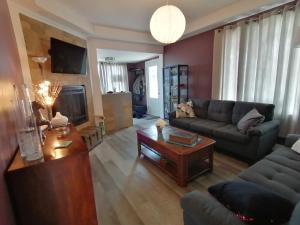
296, 146
252, 203
251, 119
185, 110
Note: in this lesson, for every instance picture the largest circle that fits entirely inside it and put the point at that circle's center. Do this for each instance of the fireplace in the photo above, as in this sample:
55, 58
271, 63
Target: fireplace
71, 102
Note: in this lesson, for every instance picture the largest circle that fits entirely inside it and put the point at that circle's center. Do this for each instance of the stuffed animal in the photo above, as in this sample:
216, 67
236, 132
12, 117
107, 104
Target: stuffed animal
185, 110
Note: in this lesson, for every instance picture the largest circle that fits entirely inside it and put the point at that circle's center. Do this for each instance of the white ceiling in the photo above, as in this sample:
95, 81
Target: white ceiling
136, 14
128, 20
124, 56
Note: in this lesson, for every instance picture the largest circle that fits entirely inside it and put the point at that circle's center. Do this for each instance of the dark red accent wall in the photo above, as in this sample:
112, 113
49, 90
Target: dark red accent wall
10, 73
197, 52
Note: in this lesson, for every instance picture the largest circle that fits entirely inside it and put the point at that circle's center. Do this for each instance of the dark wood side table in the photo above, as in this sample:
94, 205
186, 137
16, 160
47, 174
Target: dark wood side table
58, 191
181, 163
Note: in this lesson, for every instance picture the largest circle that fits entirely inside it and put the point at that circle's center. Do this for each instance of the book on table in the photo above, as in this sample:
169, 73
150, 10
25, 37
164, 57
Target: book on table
183, 137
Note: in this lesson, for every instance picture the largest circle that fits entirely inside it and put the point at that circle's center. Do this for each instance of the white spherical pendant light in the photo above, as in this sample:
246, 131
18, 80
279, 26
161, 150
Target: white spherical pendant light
167, 24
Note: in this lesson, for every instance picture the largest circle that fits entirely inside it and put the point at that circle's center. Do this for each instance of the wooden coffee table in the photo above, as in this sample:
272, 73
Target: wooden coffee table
181, 163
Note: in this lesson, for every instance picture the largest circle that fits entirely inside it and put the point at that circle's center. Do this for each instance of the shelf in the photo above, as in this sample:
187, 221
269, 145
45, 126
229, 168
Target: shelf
197, 168
163, 163
175, 84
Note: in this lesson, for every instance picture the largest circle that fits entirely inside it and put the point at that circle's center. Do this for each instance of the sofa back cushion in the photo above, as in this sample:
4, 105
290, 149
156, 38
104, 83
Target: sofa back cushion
220, 110
200, 107
240, 109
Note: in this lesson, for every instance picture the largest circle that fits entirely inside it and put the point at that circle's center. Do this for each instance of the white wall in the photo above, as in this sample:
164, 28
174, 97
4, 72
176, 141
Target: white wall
15, 10
92, 44
14, 14
96, 43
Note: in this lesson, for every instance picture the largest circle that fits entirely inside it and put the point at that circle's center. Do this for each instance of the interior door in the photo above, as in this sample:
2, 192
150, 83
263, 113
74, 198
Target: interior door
153, 83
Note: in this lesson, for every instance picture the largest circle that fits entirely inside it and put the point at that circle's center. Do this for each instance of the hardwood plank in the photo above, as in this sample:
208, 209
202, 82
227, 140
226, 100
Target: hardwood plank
132, 191
114, 199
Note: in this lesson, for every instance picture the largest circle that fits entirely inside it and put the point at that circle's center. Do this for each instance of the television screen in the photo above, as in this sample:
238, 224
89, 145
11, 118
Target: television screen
67, 58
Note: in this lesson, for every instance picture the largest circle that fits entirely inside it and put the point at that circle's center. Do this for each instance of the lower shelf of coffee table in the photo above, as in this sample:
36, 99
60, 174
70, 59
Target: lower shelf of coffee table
168, 166
195, 167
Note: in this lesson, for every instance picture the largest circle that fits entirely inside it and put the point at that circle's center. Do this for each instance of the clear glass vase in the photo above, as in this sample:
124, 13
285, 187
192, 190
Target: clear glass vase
27, 132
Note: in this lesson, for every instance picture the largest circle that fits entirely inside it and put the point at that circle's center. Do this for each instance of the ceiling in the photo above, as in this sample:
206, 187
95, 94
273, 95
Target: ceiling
128, 20
136, 14
124, 56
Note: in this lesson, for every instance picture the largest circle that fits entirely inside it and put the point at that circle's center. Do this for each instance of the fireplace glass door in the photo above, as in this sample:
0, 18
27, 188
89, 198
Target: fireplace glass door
71, 102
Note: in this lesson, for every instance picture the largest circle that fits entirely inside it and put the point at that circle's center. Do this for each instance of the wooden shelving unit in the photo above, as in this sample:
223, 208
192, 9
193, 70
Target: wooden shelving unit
175, 87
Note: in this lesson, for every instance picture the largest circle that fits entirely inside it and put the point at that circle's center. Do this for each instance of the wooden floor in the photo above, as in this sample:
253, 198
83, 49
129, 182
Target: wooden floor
132, 191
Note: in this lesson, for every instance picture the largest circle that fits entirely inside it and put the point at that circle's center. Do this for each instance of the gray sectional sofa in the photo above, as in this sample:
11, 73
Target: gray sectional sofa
218, 119
278, 172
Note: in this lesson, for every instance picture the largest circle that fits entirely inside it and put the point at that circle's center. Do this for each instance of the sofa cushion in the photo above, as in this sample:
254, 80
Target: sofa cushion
183, 122
277, 177
285, 157
230, 132
200, 107
240, 109
200, 208
220, 110
205, 126
291, 139
296, 146
251, 202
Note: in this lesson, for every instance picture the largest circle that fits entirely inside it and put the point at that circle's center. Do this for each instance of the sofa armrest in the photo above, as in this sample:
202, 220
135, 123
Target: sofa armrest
291, 139
264, 128
203, 209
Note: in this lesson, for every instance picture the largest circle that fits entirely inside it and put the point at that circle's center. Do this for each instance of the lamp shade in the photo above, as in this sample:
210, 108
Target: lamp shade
167, 24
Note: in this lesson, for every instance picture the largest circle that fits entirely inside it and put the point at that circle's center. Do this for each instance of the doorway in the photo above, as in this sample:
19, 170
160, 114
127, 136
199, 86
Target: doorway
153, 71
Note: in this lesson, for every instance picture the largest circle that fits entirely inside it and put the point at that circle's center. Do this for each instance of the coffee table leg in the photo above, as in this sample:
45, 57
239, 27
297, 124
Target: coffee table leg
182, 171
211, 159
139, 148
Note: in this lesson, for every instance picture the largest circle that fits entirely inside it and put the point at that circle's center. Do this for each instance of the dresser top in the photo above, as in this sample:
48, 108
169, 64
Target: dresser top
50, 153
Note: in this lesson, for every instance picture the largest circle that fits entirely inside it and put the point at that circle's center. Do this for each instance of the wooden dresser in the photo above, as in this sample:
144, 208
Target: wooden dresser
58, 191
117, 110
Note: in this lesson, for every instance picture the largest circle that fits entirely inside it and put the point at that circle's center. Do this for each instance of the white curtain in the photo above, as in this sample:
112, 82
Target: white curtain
114, 77
259, 61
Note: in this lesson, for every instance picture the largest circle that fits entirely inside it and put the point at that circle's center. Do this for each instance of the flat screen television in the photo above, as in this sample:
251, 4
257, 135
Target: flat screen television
67, 58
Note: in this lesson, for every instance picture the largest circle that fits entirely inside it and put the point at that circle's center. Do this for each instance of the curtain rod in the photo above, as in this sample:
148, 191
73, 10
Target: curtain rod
255, 18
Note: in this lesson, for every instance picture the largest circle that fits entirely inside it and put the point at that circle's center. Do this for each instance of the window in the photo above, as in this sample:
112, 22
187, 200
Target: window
153, 83
258, 61
114, 77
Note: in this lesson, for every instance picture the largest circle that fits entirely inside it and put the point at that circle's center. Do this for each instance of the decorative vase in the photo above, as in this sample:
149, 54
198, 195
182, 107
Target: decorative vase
59, 120
27, 132
159, 132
